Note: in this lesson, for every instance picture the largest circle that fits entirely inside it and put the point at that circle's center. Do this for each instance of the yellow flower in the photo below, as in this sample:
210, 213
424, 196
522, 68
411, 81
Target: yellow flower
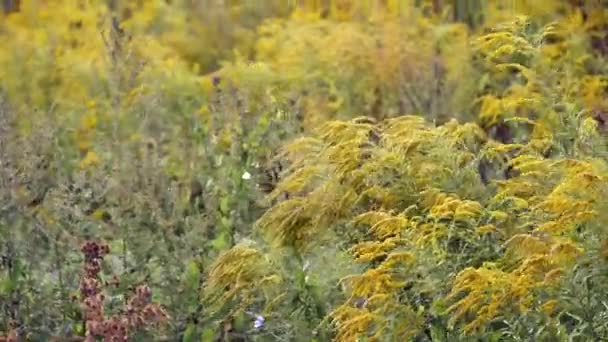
486, 229
90, 159
549, 307
89, 121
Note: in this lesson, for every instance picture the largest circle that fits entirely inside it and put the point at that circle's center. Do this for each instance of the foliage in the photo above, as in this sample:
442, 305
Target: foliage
303, 171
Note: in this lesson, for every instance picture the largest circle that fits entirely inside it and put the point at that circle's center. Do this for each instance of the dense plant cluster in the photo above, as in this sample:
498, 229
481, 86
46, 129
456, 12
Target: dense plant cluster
391, 170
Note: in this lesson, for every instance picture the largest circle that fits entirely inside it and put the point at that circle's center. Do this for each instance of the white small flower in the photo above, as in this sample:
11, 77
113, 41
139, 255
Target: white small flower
259, 322
246, 175
306, 266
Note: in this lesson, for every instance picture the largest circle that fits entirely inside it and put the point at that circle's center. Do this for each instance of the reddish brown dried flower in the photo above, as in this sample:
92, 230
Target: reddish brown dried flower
138, 314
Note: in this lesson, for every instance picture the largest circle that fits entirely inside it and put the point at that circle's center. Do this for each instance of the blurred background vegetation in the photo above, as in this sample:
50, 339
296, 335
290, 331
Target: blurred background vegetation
216, 147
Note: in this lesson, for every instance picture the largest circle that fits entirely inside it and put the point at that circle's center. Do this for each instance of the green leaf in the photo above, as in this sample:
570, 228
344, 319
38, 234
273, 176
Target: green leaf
496, 336
226, 222
437, 333
6, 286
225, 205
220, 243
240, 322
189, 334
192, 276
483, 81
208, 335
79, 329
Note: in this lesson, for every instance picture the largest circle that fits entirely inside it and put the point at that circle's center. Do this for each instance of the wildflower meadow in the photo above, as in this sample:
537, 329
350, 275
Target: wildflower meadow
303, 170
